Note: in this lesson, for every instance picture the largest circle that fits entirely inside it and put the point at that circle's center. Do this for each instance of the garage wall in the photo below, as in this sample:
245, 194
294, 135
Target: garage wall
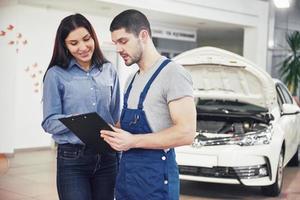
286, 21
231, 40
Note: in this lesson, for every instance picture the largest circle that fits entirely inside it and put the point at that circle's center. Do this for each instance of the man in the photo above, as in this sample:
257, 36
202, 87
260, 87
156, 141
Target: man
158, 114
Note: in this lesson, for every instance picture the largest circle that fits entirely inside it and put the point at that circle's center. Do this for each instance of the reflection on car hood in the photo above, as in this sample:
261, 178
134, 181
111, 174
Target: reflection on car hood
219, 74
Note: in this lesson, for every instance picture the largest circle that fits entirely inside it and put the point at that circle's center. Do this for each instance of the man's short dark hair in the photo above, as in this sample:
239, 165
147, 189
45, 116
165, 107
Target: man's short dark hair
133, 21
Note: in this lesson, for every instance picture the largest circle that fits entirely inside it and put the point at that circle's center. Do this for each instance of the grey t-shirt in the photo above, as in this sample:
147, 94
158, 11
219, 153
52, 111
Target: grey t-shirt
173, 82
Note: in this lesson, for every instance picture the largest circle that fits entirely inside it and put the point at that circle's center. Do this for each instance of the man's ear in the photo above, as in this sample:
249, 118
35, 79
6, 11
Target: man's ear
144, 35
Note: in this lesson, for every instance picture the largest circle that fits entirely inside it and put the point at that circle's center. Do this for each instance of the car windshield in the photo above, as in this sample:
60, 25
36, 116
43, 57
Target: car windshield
227, 106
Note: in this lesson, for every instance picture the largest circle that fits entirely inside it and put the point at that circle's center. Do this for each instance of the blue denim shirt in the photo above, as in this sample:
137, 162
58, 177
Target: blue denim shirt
72, 91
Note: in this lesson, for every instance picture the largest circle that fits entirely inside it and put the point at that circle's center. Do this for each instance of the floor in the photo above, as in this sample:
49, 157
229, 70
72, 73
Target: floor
30, 175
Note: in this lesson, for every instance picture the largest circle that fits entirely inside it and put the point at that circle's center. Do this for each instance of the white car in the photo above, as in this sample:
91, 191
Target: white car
248, 125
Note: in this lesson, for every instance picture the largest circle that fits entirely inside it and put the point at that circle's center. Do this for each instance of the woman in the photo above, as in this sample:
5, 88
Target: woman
80, 80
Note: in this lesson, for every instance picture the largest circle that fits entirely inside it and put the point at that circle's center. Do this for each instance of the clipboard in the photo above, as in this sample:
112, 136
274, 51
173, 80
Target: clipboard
87, 128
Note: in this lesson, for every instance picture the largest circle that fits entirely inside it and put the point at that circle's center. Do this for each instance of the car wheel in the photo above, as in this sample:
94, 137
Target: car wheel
294, 161
275, 189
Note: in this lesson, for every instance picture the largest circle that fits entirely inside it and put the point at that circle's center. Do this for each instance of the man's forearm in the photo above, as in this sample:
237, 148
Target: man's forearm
167, 138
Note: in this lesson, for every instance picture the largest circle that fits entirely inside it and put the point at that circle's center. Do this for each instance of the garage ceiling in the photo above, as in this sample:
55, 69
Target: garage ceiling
110, 10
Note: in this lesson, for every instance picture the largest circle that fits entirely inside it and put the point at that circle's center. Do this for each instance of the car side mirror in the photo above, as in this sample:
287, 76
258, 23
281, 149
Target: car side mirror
270, 117
289, 109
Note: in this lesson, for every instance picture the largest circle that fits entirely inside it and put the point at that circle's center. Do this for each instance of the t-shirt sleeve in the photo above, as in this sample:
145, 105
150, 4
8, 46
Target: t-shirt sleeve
178, 83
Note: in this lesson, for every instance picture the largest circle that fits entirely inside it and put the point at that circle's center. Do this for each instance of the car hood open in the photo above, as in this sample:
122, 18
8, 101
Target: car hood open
220, 74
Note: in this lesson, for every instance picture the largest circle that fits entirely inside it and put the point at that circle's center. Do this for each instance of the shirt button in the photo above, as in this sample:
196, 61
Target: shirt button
165, 182
94, 104
163, 158
87, 74
92, 88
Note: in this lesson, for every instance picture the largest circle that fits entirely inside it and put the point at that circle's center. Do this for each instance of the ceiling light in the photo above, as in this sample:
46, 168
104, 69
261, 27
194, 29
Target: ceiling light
271, 44
282, 3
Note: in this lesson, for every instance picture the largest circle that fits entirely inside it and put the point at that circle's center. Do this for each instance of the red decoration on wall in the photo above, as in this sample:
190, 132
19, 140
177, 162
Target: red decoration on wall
17, 40
10, 27
35, 73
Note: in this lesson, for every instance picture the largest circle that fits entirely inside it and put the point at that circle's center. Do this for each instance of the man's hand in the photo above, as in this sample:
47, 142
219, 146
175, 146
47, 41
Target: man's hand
118, 139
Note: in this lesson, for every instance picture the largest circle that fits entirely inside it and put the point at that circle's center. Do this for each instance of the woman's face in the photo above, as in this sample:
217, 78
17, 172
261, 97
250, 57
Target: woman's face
81, 45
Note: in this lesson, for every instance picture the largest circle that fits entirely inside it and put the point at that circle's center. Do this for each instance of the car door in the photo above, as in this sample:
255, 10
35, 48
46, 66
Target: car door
287, 122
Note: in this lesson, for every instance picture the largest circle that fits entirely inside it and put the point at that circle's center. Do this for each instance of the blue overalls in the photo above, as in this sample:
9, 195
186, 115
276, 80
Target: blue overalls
145, 174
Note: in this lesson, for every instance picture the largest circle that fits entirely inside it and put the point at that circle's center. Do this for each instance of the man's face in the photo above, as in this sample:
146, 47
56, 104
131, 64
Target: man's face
128, 45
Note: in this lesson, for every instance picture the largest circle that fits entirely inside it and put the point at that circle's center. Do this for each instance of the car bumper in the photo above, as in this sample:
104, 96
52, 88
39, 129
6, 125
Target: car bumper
231, 164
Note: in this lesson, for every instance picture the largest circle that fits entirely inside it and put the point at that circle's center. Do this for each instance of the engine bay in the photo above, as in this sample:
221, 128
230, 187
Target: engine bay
240, 130
229, 127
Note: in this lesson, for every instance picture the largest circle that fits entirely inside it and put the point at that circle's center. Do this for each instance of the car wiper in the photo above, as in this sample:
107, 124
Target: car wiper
219, 89
211, 108
230, 110
225, 110
242, 111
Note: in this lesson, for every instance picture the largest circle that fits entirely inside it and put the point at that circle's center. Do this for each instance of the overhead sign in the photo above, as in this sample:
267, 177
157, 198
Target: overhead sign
175, 34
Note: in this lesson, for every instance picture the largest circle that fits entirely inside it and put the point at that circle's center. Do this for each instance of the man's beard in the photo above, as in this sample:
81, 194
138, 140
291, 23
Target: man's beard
136, 57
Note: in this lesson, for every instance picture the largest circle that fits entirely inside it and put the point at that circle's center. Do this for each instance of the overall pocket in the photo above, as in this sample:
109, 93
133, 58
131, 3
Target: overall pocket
145, 180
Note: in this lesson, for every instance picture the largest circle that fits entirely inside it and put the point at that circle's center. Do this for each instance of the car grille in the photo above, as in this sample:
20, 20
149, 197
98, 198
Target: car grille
224, 172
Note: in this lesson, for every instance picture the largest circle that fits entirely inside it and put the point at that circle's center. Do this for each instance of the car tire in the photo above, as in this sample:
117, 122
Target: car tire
275, 189
294, 162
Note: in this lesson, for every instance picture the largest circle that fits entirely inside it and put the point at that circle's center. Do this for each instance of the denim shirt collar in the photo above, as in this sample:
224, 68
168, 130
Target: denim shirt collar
73, 63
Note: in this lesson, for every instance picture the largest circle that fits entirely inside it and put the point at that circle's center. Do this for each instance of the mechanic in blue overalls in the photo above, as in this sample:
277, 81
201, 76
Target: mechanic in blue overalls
158, 114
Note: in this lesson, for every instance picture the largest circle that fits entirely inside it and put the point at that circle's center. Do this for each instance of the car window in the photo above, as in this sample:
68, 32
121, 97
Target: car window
279, 97
286, 95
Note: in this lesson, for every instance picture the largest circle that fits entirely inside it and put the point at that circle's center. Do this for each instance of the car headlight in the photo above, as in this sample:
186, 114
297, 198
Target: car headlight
256, 138
262, 137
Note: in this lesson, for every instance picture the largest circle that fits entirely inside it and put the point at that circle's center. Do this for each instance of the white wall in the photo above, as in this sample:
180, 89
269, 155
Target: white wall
21, 105
7, 82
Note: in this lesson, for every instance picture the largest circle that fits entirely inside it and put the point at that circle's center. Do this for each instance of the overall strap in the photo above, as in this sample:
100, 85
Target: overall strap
146, 88
126, 96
